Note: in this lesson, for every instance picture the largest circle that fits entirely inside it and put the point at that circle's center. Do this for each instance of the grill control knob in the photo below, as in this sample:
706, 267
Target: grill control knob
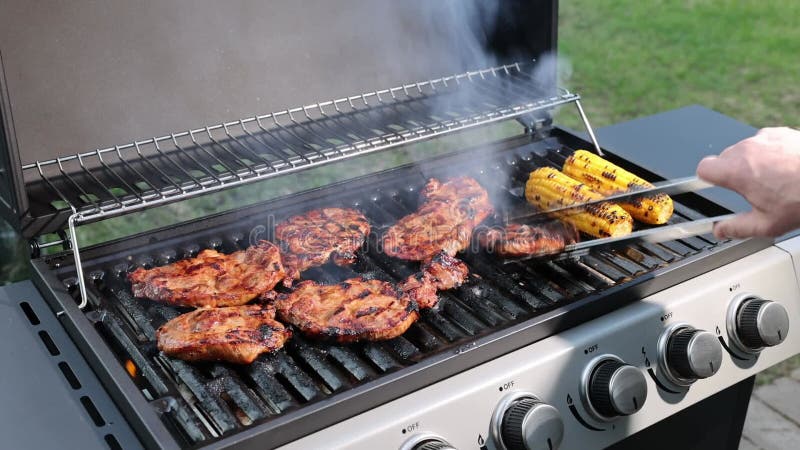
760, 323
691, 354
531, 424
616, 389
427, 442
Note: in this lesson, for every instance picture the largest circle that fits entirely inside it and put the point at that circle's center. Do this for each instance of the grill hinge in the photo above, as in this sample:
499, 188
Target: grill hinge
538, 126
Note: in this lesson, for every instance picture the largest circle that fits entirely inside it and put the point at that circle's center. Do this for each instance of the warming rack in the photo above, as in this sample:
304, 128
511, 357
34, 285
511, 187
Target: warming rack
113, 181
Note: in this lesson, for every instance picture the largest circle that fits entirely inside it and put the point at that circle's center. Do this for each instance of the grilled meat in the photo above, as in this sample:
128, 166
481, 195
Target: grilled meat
211, 278
420, 289
444, 221
440, 273
518, 240
445, 271
237, 334
310, 239
353, 310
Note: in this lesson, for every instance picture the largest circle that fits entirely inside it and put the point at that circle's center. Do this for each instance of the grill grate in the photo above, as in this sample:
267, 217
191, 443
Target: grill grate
112, 181
201, 402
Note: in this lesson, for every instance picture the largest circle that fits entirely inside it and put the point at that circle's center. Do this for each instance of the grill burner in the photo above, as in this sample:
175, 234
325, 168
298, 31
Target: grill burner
200, 402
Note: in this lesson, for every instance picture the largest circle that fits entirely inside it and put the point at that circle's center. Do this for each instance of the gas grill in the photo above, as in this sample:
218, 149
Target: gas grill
482, 347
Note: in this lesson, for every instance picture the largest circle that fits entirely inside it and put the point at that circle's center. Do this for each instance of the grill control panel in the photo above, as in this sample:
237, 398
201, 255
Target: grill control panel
606, 379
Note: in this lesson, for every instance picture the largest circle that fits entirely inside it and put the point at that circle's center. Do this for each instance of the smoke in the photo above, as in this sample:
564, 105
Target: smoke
461, 36
468, 23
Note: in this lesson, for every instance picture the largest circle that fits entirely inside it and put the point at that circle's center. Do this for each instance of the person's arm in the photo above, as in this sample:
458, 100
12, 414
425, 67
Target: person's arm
765, 170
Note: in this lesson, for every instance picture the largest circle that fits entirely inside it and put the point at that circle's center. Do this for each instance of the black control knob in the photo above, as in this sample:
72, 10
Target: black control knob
761, 323
616, 389
531, 424
433, 444
693, 354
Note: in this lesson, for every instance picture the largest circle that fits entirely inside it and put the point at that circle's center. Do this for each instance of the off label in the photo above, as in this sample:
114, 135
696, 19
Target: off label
410, 428
592, 349
506, 386
734, 287
666, 317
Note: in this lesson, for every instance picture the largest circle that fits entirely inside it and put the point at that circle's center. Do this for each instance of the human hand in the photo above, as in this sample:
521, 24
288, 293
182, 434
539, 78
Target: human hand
765, 170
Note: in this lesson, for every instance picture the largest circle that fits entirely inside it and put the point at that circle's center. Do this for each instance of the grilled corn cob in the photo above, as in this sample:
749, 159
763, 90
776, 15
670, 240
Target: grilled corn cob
547, 188
607, 179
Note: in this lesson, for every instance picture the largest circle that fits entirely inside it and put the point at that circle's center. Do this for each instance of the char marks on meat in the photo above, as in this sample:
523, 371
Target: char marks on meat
237, 334
440, 273
444, 221
353, 310
211, 278
445, 271
520, 240
312, 238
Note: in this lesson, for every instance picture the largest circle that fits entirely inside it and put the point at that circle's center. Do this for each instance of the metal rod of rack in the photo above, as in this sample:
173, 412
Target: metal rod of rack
230, 154
588, 127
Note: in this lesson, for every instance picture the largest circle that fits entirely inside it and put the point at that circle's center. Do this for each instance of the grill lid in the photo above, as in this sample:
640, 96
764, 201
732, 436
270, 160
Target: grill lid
82, 76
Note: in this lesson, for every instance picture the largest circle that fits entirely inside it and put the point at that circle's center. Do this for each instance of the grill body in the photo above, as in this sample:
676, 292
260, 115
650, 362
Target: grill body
310, 394
309, 385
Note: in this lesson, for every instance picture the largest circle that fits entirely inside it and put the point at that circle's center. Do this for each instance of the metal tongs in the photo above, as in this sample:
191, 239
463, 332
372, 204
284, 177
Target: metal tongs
650, 235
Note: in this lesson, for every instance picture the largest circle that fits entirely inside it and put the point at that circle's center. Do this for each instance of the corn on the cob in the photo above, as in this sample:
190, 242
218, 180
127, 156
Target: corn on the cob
607, 178
547, 188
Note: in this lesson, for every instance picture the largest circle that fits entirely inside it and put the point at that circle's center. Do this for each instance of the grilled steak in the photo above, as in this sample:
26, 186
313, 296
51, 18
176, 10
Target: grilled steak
353, 310
444, 221
440, 273
445, 271
237, 334
310, 239
519, 240
212, 278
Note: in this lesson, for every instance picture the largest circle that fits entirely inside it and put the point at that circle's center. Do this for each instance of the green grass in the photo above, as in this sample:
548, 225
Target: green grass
634, 58
628, 59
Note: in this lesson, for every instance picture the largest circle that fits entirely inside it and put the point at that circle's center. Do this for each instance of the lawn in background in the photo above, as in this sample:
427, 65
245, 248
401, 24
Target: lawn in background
635, 58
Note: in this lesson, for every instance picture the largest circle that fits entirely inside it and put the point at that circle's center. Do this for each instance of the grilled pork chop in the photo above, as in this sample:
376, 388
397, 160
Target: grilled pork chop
237, 334
353, 310
519, 240
212, 278
310, 239
444, 221
440, 273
